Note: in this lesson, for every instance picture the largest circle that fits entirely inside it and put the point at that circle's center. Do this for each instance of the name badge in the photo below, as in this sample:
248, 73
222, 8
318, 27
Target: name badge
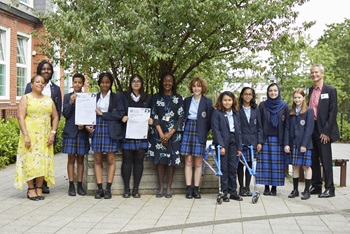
166, 118
324, 96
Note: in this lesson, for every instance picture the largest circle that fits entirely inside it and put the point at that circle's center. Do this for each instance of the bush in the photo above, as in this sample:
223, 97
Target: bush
59, 138
9, 132
9, 135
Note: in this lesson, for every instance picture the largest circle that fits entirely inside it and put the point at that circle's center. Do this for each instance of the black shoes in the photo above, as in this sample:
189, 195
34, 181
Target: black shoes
305, 195
266, 193
46, 189
225, 198
107, 194
326, 194
236, 197
35, 198
193, 193
99, 194
39, 197
293, 194
189, 193
270, 193
81, 191
242, 192
71, 191
196, 194
126, 193
135, 193
315, 190
247, 192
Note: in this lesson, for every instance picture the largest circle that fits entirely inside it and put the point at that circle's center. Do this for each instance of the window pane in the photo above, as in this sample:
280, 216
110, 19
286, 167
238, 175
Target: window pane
21, 43
2, 80
21, 80
2, 45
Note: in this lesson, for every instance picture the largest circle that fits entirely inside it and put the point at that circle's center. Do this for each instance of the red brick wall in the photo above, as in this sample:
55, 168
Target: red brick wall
17, 24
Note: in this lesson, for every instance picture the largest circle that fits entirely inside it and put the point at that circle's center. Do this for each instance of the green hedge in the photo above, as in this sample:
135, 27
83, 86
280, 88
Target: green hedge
9, 134
9, 131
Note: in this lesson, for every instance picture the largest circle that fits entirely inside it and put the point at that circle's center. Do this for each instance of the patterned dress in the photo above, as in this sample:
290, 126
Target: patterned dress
38, 160
167, 111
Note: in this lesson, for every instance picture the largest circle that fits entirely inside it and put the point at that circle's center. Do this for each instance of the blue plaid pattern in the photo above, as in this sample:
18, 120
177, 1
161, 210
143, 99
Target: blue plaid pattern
246, 153
298, 158
102, 141
270, 167
190, 144
78, 145
134, 144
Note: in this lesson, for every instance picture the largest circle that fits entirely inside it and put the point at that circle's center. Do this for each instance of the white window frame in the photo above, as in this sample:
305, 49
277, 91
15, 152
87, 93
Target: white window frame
28, 66
29, 3
6, 62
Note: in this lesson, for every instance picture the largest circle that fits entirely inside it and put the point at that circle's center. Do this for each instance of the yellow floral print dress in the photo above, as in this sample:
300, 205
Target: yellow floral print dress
38, 160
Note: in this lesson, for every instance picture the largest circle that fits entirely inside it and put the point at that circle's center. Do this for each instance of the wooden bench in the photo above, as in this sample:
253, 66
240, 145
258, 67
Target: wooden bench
342, 163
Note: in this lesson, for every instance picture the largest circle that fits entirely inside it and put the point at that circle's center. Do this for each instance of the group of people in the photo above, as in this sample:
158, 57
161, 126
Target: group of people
178, 130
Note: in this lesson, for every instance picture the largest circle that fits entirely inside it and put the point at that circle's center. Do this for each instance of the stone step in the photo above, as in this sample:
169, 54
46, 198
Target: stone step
149, 182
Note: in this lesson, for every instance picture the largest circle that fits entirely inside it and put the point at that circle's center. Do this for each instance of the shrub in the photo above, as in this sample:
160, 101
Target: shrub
9, 135
9, 132
59, 138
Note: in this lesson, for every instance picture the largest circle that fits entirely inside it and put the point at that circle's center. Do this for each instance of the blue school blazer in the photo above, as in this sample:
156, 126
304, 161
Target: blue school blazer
300, 129
114, 115
205, 110
252, 132
70, 129
221, 130
283, 123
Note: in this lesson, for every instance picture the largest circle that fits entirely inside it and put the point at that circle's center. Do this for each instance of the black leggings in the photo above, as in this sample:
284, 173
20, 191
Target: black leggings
132, 159
240, 175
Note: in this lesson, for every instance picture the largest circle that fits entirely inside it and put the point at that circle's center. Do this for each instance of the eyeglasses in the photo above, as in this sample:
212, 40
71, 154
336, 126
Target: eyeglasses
136, 81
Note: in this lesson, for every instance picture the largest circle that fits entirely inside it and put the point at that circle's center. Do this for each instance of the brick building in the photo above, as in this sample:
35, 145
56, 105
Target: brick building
19, 51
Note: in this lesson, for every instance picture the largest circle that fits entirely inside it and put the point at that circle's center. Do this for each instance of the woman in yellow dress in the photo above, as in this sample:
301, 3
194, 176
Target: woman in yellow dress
38, 121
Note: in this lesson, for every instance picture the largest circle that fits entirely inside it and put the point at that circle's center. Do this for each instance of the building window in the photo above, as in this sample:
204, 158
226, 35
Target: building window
4, 63
27, 2
22, 64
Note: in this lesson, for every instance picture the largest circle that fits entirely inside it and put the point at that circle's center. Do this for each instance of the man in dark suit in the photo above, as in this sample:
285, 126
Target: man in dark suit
323, 101
45, 69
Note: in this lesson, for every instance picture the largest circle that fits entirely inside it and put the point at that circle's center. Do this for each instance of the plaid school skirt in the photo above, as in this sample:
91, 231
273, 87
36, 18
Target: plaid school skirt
298, 158
190, 144
246, 153
102, 141
134, 144
78, 145
270, 166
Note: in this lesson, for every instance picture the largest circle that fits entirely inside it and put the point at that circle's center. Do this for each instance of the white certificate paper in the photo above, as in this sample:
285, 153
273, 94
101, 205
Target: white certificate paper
137, 124
85, 106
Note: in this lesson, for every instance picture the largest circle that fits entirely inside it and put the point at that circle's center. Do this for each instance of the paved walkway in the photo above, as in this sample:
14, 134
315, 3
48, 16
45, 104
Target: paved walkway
59, 213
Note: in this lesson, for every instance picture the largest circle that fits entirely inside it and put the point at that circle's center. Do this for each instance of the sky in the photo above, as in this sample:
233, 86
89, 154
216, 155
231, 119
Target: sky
324, 12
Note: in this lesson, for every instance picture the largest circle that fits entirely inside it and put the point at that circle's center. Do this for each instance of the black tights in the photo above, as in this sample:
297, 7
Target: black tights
132, 160
240, 175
